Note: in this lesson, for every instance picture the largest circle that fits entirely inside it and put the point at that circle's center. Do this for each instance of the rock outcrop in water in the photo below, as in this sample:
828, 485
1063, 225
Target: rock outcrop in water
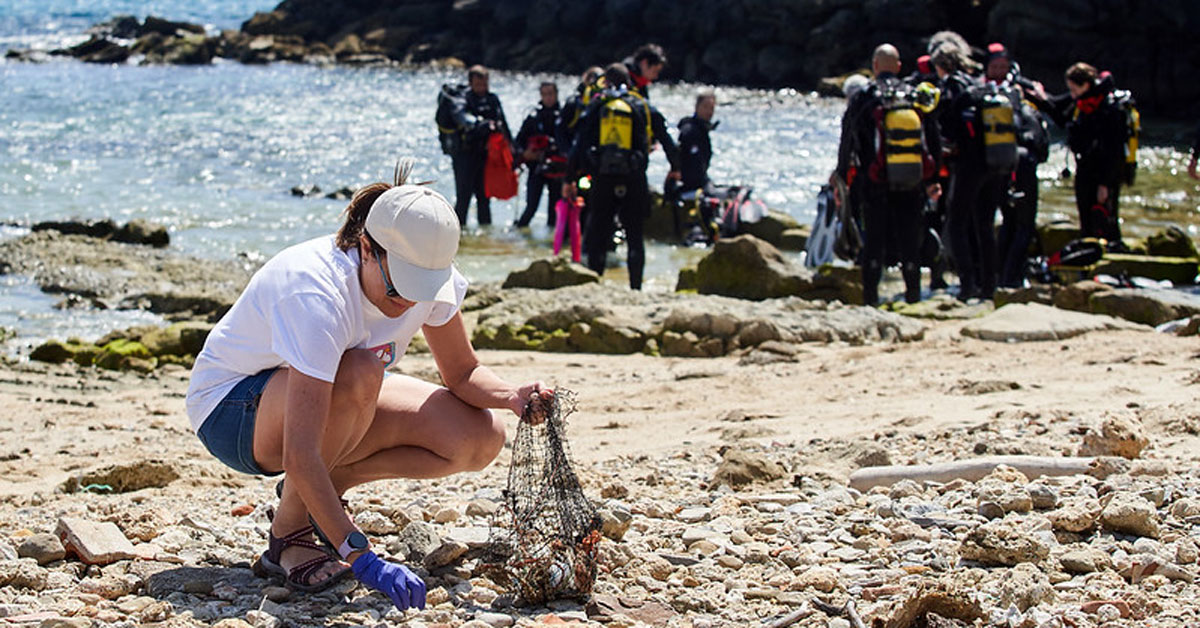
760, 43
767, 43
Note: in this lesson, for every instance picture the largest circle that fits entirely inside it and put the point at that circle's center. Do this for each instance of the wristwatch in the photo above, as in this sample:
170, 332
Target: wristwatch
355, 542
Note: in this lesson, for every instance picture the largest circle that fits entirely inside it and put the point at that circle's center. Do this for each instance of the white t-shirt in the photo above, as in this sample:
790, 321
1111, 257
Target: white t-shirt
303, 309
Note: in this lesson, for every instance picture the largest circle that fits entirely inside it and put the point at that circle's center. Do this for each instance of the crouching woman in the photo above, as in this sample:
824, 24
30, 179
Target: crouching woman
291, 380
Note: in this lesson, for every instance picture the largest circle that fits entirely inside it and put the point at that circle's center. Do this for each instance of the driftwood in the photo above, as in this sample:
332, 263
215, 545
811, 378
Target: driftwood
791, 618
972, 470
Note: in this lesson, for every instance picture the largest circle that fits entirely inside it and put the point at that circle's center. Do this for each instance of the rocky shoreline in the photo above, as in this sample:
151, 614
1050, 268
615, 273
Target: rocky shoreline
730, 487
761, 43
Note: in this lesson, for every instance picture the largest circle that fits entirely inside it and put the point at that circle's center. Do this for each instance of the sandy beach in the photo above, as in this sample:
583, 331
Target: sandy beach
648, 438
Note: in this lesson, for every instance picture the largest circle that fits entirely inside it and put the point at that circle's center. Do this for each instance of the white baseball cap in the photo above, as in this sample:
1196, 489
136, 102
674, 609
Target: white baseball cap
419, 230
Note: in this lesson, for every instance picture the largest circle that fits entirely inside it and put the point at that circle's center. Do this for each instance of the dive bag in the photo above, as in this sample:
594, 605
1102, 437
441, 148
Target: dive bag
1080, 252
499, 179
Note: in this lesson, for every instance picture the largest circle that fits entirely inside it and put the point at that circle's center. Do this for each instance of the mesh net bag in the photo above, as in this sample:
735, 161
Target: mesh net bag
543, 542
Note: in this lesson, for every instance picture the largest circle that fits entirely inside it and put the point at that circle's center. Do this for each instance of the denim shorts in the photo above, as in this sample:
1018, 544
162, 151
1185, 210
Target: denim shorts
228, 432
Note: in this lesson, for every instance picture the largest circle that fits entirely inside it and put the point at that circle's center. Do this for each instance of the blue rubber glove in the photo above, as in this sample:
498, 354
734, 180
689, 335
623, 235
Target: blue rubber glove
396, 581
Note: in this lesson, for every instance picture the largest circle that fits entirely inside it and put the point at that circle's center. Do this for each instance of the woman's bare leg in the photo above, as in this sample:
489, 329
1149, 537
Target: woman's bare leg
352, 408
420, 431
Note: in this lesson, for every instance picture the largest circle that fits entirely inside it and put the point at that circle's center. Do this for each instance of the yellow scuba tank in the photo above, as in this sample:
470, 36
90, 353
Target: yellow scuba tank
903, 143
616, 154
616, 124
1123, 100
999, 130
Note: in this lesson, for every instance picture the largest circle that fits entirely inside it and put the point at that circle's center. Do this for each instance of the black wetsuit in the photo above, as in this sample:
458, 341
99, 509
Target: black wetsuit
890, 216
1019, 212
976, 192
469, 162
1096, 134
544, 121
624, 196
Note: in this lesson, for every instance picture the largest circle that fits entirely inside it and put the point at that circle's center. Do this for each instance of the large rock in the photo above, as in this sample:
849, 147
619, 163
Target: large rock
1002, 542
124, 478
739, 468
746, 267
99, 50
1172, 242
603, 318
1131, 514
1115, 436
548, 274
1149, 307
1077, 296
1178, 270
131, 276
1025, 322
94, 543
770, 43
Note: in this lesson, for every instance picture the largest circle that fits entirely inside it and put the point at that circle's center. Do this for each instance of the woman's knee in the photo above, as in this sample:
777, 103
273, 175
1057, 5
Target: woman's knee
486, 442
360, 374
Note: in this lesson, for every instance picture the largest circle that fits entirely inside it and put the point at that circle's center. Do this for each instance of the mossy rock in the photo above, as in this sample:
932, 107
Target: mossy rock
686, 281
1171, 242
186, 361
186, 338
53, 352
771, 227
558, 341
86, 354
1177, 270
794, 239
126, 355
524, 338
1054, 236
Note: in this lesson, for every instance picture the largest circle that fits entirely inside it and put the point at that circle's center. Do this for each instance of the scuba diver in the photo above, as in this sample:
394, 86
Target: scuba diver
537, 146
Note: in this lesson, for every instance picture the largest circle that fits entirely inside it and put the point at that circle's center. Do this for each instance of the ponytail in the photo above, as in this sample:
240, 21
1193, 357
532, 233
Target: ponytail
360, 205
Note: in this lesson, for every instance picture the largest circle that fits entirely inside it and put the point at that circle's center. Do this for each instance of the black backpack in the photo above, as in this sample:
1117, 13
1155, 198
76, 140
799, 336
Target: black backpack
450, 116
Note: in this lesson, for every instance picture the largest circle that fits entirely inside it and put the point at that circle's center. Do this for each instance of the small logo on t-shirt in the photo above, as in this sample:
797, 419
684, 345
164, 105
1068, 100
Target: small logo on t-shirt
386, 353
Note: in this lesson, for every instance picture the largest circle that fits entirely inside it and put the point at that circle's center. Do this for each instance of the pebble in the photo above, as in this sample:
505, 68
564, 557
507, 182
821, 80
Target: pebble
694, 515
1131, 514
712, 557
496, 620
44, 548
482, 508
446, 515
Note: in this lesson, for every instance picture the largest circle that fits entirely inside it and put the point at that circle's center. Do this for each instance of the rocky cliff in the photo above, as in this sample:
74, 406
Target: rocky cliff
766, 43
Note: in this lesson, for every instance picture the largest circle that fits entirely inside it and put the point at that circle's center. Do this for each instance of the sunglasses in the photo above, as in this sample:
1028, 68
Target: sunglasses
392, 293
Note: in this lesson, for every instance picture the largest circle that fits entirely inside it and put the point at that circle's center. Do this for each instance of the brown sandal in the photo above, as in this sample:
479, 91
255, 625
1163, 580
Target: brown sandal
300, 576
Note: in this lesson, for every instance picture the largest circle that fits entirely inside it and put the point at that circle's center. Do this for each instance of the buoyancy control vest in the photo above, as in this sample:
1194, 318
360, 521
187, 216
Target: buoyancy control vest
901, 149
1123, 100
623, 140
451, 116
997, 121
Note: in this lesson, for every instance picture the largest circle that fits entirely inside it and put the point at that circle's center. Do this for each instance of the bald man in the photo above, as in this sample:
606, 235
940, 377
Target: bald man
891, 206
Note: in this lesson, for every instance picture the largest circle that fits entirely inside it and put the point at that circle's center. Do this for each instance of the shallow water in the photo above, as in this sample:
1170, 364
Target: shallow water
212, 152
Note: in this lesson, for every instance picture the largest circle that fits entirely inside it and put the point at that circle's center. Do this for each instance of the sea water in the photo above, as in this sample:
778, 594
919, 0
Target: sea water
212, 152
